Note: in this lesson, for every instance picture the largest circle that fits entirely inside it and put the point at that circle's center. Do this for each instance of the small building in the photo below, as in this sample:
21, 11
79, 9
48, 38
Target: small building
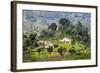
66, 40
46, 44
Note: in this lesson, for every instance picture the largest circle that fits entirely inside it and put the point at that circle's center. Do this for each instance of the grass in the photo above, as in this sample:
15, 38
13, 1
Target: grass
33, 56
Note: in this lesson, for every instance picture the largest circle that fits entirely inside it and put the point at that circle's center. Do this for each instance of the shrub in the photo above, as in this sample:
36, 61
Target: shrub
61, 51
49, 50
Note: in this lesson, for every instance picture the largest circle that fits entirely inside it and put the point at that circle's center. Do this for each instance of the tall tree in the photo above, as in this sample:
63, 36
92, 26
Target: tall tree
64, 22
53, 26
32, 37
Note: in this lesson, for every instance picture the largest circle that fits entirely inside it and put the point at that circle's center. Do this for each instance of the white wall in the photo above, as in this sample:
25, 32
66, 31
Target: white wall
5, 37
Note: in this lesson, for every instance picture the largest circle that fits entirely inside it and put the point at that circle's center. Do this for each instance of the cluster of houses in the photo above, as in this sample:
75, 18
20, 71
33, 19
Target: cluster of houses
48, 44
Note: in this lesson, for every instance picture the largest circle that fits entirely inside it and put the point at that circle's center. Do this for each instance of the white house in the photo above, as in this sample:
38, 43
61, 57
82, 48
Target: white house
46, 44
66, 40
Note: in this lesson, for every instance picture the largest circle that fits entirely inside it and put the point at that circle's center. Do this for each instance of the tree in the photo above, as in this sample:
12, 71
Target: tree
36, 44
51, 33
43, 34
80, 24
39, 50
79, 28
26, 44
53, 26
49, 50
72, 51
55, 45
82, 33
61, 51
32, 37
70, 30
73, 40
64, 22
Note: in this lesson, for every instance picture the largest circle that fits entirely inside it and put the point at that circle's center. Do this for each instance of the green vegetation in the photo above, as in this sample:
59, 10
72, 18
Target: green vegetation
50, 45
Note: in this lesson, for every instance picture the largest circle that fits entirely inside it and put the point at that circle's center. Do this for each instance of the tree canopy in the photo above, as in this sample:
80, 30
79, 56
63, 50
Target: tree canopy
53, 26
